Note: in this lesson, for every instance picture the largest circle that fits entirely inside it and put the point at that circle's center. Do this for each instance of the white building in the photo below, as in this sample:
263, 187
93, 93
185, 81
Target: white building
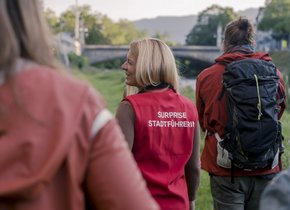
65, 44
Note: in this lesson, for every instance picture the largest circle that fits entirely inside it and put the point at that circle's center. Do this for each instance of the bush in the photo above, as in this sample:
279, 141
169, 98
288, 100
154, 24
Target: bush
281, 60
78, 61
111, 64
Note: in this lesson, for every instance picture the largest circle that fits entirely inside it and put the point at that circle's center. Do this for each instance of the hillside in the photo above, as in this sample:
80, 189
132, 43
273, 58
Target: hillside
179, 26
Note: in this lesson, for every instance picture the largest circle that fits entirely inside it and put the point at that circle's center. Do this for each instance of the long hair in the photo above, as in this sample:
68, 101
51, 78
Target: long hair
155, 63
24, 34
238, 32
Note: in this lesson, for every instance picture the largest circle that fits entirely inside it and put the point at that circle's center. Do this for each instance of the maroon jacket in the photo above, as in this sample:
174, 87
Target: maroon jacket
212, 112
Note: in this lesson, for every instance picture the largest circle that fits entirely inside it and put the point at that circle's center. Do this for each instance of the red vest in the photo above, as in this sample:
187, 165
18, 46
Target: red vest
164, 130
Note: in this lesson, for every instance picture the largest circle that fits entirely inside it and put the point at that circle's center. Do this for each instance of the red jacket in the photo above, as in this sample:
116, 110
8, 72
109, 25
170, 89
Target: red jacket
212, 112
56, 144
164, 130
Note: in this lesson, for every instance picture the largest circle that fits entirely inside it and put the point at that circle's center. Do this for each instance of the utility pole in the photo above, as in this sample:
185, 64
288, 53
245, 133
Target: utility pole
219, 35
77, 29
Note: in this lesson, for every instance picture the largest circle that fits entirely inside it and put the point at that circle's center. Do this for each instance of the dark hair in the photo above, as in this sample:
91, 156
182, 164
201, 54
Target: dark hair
238, 32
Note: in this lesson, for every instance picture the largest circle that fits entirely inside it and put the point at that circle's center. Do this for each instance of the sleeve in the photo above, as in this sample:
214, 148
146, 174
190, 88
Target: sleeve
281, 94
199, 103
113, 180
192, 168
126, 118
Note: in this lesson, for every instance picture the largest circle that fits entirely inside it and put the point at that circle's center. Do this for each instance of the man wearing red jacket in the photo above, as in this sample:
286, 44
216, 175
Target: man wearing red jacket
245, 192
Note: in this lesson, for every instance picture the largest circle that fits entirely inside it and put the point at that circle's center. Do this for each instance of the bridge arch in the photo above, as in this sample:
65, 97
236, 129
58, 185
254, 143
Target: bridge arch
100, 53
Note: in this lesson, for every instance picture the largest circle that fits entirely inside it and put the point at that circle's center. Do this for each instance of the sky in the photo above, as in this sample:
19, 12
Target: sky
139, 9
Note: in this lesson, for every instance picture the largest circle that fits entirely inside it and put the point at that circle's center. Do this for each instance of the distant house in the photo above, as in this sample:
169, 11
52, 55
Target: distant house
265, 42
264, 39
66, 44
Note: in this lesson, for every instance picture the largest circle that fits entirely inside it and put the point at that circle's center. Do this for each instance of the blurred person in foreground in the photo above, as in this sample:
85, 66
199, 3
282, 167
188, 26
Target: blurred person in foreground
236, 97
277, 194
160, 125
59, 144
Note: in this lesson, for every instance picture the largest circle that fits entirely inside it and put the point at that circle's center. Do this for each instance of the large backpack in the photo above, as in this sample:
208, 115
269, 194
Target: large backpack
253, 138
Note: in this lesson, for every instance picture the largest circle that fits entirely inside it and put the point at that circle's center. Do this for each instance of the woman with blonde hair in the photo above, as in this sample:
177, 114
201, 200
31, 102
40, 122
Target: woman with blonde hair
59, 144
160, 125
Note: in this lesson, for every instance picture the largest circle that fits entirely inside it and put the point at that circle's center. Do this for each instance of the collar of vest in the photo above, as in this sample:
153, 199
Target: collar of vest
155, 87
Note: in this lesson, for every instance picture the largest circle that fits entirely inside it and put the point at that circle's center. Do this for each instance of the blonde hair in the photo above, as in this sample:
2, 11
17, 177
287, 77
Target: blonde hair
24, 34
238, 32
155, 64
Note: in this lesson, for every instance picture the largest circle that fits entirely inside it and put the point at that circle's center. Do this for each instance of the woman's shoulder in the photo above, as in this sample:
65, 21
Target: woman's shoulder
48, 82
47, 76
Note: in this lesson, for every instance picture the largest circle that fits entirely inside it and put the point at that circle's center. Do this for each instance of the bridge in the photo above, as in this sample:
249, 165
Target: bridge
100, 53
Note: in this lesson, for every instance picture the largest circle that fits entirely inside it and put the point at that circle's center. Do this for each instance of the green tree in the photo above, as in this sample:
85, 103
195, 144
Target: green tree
67, 19
111, 31
99, 28
52, 20
120, 33
205, 31
164, 37
90, 23
276, 17
129, 31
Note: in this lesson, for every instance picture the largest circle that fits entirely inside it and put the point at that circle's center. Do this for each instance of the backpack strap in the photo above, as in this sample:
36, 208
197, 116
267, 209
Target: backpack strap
259, 105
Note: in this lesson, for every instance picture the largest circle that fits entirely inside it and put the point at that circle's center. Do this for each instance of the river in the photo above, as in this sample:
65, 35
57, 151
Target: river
184, 82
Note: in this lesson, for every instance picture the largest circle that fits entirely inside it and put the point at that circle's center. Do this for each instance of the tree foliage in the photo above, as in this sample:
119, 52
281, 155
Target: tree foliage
120, 33
97, 28
67, 20
205, 31
276, 17
52, 20
164, 37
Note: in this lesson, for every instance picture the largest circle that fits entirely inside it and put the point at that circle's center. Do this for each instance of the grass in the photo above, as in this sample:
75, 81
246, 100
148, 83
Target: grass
110, 84
281, 59
286, 133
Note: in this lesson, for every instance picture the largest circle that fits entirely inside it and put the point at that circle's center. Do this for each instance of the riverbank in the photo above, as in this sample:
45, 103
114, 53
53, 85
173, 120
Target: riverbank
185, 83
